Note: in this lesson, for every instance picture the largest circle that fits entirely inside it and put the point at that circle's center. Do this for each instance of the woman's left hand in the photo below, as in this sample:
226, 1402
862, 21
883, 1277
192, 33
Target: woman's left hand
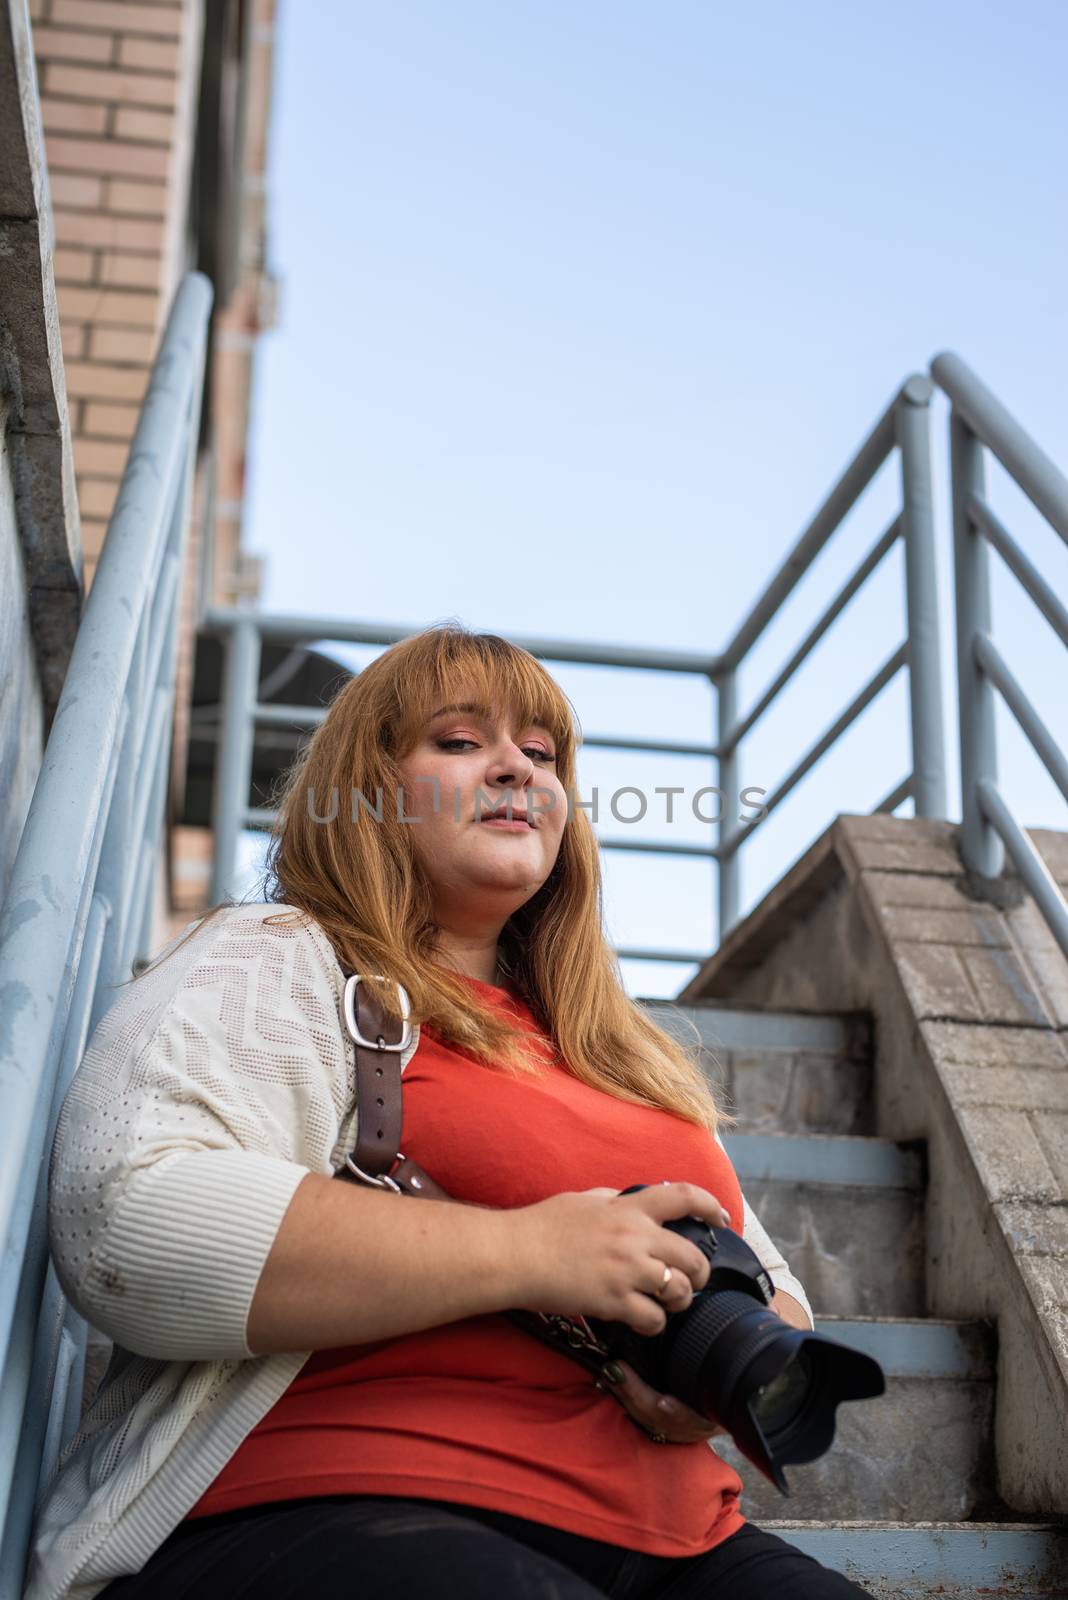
657, 1413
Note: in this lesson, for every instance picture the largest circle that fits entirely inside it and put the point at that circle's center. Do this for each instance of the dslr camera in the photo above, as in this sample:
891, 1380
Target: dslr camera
731, 1358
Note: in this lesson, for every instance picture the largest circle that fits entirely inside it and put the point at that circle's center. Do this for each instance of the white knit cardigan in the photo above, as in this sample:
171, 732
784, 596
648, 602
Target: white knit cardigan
210, 1088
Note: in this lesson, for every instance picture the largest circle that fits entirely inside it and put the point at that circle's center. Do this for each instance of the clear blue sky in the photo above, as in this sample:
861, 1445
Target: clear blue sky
585, 307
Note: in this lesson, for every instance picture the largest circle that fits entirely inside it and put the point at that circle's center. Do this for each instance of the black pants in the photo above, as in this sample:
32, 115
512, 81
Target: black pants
422, 1549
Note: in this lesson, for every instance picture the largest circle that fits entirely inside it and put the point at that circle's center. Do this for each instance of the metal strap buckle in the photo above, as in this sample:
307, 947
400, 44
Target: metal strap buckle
384, 1182
350, 1015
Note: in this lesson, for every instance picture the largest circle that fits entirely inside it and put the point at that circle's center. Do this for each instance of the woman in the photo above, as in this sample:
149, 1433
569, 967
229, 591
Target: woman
313, 1383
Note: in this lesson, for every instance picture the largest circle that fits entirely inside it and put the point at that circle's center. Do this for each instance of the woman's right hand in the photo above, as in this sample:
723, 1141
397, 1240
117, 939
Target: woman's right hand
599, 1253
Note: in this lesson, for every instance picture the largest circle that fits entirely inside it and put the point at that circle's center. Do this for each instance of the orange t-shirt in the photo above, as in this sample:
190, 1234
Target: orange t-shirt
478, 1411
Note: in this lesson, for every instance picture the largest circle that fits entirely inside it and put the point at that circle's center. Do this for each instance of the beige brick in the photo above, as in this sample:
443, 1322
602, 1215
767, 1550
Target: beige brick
130, 271
109, 305
151, 54
981, 1046
1017, 1088
75, 189
1003, 989
1010, 1160
978, 925
112, 86
101, 229
936, 983
122, 344
73, 266
1047, 1279
138, 199
119, 16
132, 122
72, 116
96, 496
68, 44
1051, 1130
91, 380
38, 10
111, 156
110, 421
890, 855
99, 458
74, 337
915, 889
1034, 1230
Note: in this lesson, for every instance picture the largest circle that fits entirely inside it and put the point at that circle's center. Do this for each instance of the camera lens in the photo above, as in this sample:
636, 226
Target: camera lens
778, 1403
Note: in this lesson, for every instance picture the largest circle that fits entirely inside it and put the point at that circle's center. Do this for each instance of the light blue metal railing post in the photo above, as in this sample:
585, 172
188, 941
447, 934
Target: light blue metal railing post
233, 764
76, 899
729, 782
979, 421
912, 425
981, 849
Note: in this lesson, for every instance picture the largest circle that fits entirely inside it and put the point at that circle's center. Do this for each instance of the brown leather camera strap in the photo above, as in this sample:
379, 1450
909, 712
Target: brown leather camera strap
379, 1100
376, 1160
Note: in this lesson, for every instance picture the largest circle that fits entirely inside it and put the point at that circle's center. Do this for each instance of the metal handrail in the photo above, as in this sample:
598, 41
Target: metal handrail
978, 422
79, 904
902, 426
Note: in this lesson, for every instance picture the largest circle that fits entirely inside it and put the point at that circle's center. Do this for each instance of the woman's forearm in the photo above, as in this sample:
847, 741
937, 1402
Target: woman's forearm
790, 1310
350, 1265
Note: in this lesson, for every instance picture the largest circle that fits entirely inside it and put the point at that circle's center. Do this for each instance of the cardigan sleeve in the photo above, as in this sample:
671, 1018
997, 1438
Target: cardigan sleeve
207, 1092
771, 1258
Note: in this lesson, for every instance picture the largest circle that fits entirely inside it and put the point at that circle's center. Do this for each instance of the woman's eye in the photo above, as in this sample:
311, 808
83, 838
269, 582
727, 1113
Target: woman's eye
528, 750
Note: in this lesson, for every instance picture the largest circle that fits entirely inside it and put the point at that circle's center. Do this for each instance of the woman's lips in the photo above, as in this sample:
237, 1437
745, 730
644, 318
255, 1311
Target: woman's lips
502, 822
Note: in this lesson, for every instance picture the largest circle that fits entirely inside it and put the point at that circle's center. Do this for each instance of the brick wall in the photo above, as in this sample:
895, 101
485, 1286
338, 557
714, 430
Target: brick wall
118, 83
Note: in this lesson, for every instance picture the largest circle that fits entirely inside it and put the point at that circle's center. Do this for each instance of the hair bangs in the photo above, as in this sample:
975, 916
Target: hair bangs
457, 667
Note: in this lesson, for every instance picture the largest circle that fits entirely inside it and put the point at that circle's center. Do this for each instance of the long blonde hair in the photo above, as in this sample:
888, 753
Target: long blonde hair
358, 877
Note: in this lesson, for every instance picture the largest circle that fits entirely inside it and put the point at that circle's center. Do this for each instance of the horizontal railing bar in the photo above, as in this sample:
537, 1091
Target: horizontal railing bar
629, 953
895, 797
813, 637
849, 715
258, 817
651, 746
995, 426
846, 492
1029, 864
657, 847
1044, 744
205, 720
282, 629
279, 716
1020, 565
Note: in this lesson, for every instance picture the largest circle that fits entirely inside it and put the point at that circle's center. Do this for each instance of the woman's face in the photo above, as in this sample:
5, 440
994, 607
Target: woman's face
463, 768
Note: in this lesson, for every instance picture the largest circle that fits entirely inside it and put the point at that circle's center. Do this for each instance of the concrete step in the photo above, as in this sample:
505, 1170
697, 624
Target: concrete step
950, 1560
922, 1450
781, 1072
846, 1213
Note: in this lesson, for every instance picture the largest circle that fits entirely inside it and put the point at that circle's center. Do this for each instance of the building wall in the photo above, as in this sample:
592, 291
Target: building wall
118, 86
119, 93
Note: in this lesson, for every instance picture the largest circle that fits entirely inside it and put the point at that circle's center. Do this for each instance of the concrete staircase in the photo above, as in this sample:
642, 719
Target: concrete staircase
904, 1502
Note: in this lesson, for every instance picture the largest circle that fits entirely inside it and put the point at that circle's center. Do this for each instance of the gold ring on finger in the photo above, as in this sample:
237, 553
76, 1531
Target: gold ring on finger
665, 1284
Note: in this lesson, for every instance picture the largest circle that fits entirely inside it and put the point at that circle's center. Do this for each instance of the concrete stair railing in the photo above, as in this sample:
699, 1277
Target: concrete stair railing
904, 1502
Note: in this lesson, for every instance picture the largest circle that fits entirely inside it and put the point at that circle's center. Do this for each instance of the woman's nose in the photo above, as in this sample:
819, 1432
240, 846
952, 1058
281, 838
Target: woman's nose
508, 771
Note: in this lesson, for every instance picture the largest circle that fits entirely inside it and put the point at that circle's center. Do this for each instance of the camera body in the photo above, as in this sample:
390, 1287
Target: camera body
733, 1360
